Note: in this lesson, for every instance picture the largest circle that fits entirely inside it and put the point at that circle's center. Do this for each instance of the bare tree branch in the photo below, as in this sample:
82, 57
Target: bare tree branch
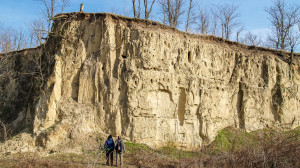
203, 20
50, 8
228, 15
21, 41
38, 31
188, 20
148, 11
11, 39
293, 39
172, 9
214, 25
136, 12
238, 32
64, 4
252, 39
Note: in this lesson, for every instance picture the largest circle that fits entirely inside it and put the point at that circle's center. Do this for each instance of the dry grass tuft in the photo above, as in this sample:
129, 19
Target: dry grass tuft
232, 148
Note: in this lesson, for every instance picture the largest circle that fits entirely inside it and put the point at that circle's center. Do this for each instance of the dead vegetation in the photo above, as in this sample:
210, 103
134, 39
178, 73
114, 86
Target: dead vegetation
235, 148
231, 148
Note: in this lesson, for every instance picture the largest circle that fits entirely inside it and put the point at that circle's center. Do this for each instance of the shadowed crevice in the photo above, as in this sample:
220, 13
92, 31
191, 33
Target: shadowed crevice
181, 105
239, 107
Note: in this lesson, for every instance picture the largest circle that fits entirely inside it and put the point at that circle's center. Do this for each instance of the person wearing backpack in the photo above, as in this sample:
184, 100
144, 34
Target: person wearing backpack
120, 149
109, 148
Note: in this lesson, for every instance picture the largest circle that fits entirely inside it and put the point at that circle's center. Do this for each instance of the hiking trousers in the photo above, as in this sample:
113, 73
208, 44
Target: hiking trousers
110, 154
119, 156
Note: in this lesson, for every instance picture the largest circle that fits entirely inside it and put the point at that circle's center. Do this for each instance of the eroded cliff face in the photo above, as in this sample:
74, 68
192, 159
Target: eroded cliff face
153, 84
17, 75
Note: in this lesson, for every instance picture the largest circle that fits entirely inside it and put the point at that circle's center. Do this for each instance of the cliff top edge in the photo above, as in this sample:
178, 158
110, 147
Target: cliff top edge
283, 55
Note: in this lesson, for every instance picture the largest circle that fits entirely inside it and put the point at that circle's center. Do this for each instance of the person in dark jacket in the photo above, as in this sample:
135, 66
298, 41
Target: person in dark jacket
109, 148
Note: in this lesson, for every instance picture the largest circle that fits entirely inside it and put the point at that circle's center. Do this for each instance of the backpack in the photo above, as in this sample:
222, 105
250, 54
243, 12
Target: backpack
119, 147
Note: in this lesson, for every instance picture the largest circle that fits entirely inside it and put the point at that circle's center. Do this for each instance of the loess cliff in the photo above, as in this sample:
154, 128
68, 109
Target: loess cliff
105, 74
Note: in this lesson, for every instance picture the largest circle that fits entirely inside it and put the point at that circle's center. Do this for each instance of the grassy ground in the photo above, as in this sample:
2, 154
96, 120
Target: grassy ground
231, 148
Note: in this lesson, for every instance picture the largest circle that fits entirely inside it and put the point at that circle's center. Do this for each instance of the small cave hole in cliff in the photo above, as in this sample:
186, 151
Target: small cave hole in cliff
189, 56
124, 56
181, 105
103, 66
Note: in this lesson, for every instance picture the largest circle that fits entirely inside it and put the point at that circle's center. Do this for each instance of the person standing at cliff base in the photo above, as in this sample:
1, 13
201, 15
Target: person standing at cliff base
120, 149
109, 148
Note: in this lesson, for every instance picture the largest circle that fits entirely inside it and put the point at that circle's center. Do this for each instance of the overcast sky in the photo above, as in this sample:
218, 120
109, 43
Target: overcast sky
19, 13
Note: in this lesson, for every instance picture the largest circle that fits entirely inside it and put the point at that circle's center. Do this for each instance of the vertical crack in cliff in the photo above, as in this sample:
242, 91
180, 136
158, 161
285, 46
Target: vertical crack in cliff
239, 107
234, 73
123, 99
75, 86
181, 105
276, 102
277, 97
265, 72
118, 51
201, 122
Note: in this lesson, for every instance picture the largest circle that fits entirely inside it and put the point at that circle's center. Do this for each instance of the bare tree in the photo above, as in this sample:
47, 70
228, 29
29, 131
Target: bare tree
51, 7
163, 10
8, 40
238, 32
38, 32
172, 10
22, 42
283, 18
190, 19
203, 20
214, 25
31, 36
42, 27
136, 9
252, 39
122, 10
293, 39
64, 4
148, 11
49, 10
228, 15
11, 39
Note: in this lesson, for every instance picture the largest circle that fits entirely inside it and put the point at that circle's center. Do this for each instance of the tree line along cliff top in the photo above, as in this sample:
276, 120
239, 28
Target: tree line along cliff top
283, 55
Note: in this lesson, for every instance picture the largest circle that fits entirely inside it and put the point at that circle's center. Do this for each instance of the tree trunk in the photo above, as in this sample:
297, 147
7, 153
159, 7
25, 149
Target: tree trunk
81, 7
292, 56
148, 11
188, 17
134, 9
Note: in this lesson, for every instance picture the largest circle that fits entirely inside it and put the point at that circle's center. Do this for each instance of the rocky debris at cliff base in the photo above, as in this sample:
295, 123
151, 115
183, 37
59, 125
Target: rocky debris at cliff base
22, 142
232, 148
